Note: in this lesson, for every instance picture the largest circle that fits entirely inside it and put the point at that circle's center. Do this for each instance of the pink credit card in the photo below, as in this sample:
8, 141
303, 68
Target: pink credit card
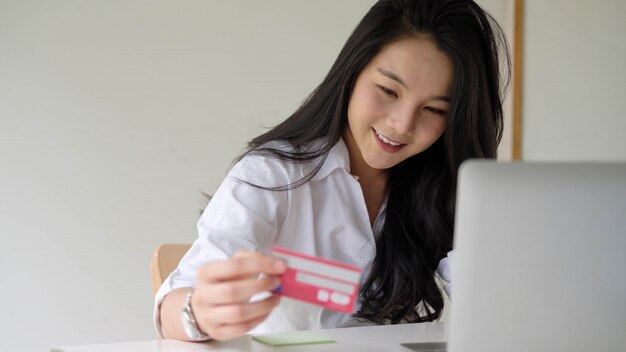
320, 281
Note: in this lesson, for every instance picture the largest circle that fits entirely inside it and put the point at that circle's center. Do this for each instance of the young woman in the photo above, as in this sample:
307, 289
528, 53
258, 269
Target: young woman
364, 172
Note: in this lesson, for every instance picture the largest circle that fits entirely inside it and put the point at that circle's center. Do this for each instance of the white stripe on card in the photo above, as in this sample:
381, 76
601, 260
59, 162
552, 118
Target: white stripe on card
325, 283
322, 268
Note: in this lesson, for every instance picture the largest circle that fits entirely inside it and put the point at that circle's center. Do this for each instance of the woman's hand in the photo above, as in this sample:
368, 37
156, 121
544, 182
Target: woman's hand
221, 298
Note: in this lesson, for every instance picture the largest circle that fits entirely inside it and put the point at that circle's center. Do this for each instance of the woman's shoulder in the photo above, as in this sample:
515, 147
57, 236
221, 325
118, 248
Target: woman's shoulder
274, 164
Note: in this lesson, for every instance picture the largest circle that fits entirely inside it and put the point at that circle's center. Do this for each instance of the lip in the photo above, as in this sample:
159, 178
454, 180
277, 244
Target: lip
384, 146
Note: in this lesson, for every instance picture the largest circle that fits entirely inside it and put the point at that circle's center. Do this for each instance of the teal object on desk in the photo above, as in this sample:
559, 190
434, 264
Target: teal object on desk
292, 339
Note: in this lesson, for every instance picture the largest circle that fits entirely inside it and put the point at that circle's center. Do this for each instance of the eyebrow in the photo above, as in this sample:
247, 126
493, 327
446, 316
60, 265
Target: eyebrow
396, 78
393, 76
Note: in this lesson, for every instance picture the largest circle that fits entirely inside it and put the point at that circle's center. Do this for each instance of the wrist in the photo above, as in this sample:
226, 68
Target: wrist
189, 322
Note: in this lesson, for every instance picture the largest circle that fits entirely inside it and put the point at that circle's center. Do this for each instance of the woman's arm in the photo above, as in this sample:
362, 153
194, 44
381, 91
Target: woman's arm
239, 217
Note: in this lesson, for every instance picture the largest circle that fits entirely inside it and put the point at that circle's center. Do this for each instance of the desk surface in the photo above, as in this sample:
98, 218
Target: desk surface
370, 338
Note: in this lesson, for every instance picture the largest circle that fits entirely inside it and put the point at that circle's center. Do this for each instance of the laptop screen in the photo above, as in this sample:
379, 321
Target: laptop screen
539, 257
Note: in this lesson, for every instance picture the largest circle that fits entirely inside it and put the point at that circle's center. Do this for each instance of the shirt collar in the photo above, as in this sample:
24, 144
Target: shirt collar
338, 158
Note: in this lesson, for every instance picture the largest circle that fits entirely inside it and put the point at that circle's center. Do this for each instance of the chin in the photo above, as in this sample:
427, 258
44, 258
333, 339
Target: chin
381, 165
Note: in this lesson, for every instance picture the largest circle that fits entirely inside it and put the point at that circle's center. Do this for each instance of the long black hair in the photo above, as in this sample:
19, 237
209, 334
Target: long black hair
418, 224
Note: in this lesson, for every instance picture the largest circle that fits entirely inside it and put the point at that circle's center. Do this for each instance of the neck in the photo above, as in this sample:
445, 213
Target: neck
373, 181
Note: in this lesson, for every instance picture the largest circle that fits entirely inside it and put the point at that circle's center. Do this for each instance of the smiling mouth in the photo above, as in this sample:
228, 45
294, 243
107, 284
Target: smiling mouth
386, 140
386, 144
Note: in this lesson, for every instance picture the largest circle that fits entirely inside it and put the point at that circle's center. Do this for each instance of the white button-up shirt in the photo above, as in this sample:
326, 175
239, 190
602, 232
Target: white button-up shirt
325, 217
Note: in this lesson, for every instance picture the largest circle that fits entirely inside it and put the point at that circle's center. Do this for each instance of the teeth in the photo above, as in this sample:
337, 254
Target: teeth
382, 138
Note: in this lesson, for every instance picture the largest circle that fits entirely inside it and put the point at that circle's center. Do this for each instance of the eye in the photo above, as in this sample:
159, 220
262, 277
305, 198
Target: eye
436, 111
388, 91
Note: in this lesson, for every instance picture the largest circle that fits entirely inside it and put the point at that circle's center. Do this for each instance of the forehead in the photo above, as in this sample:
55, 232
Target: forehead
417, 61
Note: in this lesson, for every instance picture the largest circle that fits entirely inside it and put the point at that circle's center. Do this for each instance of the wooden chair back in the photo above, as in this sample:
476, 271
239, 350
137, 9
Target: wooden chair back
165, 259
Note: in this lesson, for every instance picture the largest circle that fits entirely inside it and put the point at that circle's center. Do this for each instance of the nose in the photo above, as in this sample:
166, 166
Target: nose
402, 120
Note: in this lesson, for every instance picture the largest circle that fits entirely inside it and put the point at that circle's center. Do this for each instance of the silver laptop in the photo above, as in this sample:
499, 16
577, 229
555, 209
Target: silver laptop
540, 258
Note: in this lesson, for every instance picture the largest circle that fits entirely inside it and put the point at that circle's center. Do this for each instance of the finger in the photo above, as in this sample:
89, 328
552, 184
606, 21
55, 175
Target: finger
235, 291
235, 268
229, 331
226, 332
247, 254
240, 313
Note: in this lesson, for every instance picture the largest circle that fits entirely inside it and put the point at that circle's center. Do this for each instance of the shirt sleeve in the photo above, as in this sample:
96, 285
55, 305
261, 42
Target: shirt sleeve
239, 216
444, 271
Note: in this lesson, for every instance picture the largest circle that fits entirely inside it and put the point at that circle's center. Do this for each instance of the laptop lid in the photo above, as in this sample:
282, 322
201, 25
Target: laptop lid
540, 258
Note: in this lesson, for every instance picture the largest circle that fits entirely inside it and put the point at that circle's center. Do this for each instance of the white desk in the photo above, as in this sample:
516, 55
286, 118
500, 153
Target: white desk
362, 339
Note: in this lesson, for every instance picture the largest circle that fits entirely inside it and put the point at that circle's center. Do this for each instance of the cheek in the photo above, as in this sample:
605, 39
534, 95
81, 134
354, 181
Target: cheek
364, 105
440, 127
432, 128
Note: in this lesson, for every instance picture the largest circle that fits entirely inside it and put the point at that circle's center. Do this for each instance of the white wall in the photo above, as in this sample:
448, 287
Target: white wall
115, 115
575, 80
